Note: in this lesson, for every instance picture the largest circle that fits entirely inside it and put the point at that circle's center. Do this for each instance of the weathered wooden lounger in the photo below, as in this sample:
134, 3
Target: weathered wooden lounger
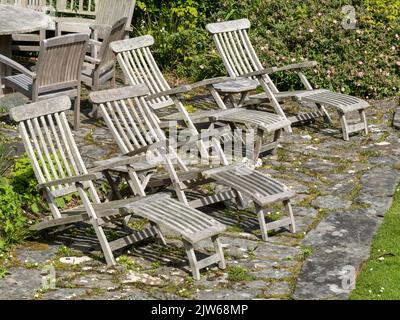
135, 127
240, 59
139, 67
60, 171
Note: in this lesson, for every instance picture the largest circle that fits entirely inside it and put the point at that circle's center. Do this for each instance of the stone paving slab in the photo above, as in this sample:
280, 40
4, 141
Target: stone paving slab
344, 189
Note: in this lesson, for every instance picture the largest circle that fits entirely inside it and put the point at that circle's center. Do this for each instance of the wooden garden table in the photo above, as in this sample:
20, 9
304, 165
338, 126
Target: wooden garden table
18, 20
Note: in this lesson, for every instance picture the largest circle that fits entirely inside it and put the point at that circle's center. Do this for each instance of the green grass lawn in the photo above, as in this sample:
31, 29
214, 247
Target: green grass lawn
380, 276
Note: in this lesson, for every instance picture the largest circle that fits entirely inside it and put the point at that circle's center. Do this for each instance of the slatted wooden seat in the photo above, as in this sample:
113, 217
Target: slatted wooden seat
57, 72
60, 171
240, 59
139, 67
135, 127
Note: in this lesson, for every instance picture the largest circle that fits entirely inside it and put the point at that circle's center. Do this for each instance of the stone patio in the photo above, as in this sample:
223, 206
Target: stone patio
344, 189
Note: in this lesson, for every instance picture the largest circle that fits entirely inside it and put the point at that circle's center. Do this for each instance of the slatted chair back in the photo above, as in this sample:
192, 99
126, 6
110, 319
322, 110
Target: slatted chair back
128, 117
139, 67
105, 54
110, 11
80, 7
234, 46
133, 123
60, 63
51, 147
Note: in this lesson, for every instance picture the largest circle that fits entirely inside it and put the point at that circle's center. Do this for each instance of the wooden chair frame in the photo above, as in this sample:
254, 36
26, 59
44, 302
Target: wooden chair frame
60, 171
57, 73
240, 59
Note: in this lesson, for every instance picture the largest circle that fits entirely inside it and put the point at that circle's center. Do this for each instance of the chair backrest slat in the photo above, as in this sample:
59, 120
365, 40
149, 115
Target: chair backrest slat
60, 62
37, 5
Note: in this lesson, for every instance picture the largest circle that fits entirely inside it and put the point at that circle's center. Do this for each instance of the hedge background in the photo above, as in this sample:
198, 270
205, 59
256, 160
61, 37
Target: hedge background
363, 62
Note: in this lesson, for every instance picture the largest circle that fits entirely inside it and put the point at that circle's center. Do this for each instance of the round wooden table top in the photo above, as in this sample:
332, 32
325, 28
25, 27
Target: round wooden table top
21, 20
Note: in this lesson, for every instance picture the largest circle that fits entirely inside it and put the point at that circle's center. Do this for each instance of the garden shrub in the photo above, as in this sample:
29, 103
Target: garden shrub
12, 220
363, 61
24, 182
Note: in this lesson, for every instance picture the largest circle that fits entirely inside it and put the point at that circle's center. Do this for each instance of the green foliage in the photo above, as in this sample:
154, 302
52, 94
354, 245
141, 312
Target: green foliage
238, 274
12, 220
24, 182
363, 62
6, 154
380, 277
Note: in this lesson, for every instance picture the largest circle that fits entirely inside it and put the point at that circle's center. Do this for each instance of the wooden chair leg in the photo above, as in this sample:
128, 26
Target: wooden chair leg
159, 233
277, 136
261, 221
343, 122
363, 117
219, 251
327, 117
192, 260
289, 210
77, 111
105, 247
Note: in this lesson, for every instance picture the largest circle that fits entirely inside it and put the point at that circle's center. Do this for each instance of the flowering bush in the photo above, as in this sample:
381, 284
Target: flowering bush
363, 61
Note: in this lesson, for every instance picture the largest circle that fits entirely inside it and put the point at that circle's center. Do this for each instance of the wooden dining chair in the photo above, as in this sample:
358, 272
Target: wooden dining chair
98, 71
57, 72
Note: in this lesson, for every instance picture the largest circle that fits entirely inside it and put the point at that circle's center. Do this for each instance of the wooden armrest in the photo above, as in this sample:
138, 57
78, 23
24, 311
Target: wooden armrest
92, 60
110, 164
295, 66
102, 28
71, 180
17, 66
188, 87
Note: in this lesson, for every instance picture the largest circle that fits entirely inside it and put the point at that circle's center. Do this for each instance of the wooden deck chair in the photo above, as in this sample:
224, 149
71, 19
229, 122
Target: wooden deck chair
30, 41
97, 71
240, 59
57, 72
60, 171
135, 127
139, 66
103, 13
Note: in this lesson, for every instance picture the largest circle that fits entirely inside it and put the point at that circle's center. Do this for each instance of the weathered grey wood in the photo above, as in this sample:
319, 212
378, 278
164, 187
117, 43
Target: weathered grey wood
105, 12
99, 97
31, 22
139, 67
228, 26
21, 20
57, 72
58, 166
137, 126
97, 72
240, 59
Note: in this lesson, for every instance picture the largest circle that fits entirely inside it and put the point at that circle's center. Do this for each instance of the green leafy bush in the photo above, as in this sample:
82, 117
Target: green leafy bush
362, 61
24, 182
12, 220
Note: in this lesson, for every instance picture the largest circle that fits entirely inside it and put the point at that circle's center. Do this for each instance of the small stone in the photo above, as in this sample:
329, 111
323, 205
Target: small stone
331, 203
75, 260
142, 278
